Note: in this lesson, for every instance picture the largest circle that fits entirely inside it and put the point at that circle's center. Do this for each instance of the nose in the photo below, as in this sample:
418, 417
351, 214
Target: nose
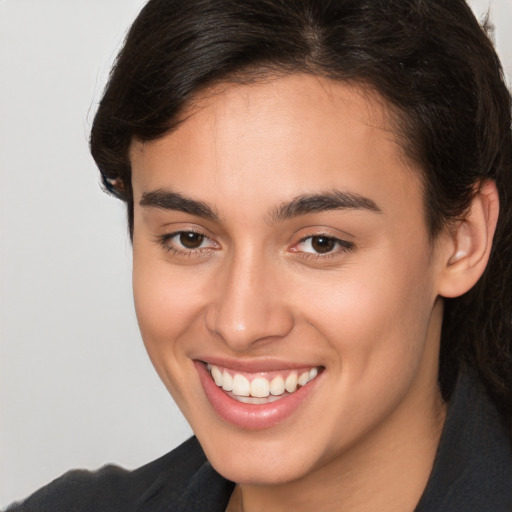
248, 306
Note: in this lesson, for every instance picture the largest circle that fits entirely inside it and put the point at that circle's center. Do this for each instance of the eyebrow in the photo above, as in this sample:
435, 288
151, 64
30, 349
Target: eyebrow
301, 205
168, 200
315, 203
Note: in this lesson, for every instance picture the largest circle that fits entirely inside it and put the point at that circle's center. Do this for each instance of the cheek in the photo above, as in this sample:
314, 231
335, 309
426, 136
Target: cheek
165, 296
374, 315
168, 307
169, 315
376, 323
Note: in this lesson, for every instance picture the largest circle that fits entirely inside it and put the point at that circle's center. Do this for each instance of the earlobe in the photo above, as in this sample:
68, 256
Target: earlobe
470, 243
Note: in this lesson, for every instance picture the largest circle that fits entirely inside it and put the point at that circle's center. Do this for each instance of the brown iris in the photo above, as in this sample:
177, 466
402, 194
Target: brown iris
322, 244
191, 240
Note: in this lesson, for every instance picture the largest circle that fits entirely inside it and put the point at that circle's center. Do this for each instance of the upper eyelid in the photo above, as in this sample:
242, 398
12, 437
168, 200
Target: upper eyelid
331, 232
175, 232
180, 231
344, 239
326, 235
170, 236
341, 241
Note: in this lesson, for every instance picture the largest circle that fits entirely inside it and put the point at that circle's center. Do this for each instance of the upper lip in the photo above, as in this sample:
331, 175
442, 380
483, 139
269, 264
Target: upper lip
255, 365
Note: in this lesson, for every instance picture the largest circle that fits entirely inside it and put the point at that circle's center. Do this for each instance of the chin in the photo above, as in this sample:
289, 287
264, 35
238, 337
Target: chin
260, 462
249, 472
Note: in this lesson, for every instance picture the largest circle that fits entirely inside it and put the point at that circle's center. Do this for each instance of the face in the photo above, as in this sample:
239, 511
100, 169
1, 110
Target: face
281, 253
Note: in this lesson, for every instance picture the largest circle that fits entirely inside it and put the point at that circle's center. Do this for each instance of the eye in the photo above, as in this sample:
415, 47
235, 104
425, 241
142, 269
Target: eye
322, 244
190, 240
186, 242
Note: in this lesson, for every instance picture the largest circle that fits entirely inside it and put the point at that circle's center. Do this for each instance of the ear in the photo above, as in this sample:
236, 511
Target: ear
468, 245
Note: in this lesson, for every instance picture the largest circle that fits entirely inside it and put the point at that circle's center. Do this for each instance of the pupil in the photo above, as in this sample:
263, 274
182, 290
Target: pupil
322, 244
191, 240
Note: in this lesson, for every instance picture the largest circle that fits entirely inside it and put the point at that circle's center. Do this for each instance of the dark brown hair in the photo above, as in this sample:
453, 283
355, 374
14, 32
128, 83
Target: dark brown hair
429, 59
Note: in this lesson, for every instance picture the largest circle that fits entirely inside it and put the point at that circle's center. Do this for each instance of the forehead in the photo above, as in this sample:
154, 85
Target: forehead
303, 96
280, 137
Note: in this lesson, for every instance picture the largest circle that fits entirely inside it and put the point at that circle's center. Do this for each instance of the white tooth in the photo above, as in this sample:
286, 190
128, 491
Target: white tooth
260, 387
303, 379
227, 381
277, 385
253, 400
241, 386
209, 367
290, 383
217, 375
313, 373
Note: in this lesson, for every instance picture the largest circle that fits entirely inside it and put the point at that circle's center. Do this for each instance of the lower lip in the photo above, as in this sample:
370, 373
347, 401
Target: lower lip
251, 416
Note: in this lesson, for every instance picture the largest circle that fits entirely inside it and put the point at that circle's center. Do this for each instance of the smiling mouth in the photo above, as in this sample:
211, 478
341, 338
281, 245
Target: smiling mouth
262, 387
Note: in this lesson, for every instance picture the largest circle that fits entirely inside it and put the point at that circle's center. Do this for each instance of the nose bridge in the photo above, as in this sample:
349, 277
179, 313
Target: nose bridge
247, 307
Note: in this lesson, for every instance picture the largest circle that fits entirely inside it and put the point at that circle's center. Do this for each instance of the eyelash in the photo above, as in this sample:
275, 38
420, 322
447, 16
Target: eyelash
166, 242
339, 245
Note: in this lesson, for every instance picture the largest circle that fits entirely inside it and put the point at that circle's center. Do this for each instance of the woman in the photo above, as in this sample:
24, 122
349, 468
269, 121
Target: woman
319, 197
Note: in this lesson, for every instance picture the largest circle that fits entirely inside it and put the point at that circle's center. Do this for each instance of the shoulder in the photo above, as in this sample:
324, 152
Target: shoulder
112, 488
79, 491
473, 467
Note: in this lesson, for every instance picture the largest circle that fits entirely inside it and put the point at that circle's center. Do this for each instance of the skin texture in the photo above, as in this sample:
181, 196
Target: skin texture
254, 289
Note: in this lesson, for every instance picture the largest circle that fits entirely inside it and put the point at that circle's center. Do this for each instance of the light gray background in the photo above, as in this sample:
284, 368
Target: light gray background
76, 387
